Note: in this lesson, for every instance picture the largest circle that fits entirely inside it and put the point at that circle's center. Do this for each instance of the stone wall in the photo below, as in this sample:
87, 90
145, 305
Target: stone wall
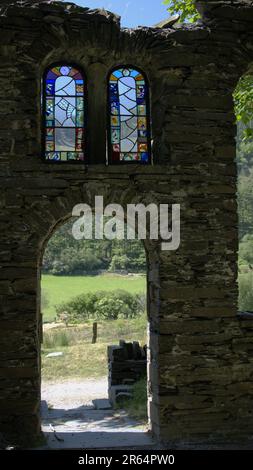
127, 364
200, 361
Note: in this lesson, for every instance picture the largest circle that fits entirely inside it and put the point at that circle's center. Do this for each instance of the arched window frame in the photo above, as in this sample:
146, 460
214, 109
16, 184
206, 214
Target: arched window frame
85, 121
148, 117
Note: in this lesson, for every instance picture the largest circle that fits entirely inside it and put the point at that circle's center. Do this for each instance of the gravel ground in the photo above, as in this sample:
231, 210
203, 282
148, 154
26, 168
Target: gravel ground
70, 420
71, 394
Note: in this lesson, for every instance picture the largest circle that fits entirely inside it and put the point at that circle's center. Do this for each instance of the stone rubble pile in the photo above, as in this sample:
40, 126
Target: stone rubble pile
127, 363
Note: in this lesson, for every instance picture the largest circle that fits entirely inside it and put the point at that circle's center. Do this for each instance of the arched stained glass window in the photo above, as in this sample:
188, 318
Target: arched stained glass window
64, 97
129, 136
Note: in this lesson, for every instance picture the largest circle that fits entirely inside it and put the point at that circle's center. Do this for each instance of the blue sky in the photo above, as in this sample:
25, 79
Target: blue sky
133, 12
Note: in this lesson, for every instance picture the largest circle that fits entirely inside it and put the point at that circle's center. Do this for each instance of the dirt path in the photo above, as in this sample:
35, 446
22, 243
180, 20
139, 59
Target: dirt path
71, 394
71, 421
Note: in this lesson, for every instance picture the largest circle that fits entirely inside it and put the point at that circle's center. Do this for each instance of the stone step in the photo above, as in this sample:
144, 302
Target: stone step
102, 404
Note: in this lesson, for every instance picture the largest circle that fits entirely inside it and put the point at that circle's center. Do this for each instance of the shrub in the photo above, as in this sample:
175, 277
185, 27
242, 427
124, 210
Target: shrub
110, 307
101, 306
79, 308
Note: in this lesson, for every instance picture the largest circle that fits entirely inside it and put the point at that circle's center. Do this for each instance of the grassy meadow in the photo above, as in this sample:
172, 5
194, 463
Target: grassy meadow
58, 289
80, 358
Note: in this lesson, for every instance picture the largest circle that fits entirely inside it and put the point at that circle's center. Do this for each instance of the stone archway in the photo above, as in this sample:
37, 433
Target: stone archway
87, 196
63, 400
200, 365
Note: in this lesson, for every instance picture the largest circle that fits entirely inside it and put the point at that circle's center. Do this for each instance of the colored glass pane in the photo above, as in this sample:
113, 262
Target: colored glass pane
129, 137
64, 114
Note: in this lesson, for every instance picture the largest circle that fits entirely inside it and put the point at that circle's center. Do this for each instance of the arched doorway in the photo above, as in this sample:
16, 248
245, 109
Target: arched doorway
244, 158
64, 336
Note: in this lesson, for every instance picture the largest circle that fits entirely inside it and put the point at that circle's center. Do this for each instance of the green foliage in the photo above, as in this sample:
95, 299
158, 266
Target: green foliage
81, 358
66, 256
136, 406
111, 308
186, 8
61, 289
246, 250
246, 292
76, 262
244, 152
243, 95
245, 204
118, 263
101, 305
79, 308
243, 98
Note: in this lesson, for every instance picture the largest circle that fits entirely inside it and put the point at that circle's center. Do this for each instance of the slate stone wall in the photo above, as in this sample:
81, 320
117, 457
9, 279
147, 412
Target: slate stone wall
200, 356
127, 364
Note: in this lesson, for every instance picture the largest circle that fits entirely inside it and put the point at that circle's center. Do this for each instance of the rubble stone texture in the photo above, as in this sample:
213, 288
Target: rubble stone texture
127, 364
200, 357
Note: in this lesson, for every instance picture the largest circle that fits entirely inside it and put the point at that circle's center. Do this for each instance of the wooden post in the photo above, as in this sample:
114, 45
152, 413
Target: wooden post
94, 332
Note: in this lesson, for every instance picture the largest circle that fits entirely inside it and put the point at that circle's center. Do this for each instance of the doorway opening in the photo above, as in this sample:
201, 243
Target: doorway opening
243, 108
95, 342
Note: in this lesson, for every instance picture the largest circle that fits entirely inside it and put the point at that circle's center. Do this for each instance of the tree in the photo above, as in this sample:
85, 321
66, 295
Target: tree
243, 98
66, 256
245, 204
244, 149
243, 95
186, 8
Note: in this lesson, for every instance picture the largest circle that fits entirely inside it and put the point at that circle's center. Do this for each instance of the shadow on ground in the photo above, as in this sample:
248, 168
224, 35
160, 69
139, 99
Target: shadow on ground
86, 427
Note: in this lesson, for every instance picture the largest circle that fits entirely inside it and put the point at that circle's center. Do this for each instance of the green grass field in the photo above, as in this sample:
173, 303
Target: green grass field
58, 289
81, 358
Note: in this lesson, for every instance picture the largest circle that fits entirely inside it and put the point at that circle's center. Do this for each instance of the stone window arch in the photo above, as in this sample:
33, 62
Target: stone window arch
129, 128
64, 114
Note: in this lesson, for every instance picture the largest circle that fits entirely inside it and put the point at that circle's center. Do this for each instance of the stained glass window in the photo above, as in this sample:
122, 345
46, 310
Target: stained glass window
129, 136
64, 114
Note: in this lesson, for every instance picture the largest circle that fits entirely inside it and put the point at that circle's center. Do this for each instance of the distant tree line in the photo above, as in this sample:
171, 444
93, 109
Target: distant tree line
66, 256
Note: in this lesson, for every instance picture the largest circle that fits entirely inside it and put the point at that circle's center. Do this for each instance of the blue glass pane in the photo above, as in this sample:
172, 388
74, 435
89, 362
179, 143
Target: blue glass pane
64, 114
50, 87
129, 120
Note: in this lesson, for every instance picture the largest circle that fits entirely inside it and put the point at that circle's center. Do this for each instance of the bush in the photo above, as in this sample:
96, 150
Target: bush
111, 308
101, 306
79, 308
246, 291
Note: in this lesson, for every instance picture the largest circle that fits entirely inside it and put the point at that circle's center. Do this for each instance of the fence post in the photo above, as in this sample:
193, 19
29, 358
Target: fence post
94, 332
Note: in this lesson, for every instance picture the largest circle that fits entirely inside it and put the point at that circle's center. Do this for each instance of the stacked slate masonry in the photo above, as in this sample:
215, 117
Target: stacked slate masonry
127, 364
200, 364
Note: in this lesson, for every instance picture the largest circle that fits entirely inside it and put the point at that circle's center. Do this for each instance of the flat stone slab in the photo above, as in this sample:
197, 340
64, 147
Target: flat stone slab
102, 404
64, 438
55, 354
